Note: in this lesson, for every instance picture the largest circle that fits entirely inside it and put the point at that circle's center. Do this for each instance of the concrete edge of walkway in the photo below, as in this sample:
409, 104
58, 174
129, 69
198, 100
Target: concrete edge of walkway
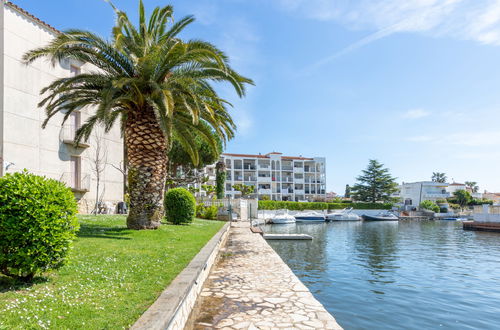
172, 308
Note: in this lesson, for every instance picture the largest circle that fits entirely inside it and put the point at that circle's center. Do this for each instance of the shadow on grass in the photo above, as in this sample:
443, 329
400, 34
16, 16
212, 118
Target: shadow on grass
97, 231
13, 284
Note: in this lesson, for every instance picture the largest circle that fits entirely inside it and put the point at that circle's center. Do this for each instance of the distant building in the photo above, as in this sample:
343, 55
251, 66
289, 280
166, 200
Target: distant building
331, 195
23, 143
495, 197
412, 194
281, 178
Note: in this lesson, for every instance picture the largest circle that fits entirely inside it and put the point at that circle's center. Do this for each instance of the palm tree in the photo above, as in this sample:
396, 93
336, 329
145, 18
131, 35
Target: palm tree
472, 185
439, 177
155, 85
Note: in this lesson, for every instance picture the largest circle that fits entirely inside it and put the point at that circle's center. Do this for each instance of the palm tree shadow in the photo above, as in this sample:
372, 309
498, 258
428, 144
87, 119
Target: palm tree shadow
99, 231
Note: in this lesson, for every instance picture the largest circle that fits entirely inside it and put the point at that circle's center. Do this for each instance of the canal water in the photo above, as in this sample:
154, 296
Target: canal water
398, 275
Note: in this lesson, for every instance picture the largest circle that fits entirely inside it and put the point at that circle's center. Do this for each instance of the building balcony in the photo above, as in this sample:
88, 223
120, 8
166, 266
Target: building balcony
298, 169
298, 180
68, 137
299, 191
77, 182
264, 179
287, 179
264, 166
286, 168
265, 191
437, 195
249, 179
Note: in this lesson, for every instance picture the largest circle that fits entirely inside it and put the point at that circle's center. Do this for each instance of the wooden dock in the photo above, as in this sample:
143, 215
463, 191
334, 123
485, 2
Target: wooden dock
482, 226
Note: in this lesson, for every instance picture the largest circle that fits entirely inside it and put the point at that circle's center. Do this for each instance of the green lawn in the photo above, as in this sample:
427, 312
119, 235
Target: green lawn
114, 275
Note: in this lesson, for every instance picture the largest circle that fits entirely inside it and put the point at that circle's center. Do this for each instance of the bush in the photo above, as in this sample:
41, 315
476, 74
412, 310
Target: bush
180, 206
207, 212
37, 224
429, 205
300, 206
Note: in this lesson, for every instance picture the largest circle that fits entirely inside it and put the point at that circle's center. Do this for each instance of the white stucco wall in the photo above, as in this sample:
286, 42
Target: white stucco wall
25, 143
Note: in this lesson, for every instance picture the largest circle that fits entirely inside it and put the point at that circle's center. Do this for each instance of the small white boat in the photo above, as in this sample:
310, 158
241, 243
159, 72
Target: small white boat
310, 217
382, 216
282, 218
344, 215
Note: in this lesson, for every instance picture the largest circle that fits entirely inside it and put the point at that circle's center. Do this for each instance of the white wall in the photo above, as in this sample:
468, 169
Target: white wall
25, 143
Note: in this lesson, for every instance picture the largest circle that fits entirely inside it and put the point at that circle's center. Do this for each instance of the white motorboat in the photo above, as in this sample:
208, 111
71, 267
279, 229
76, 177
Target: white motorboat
344, 215
382, 216
310, 217
282, 218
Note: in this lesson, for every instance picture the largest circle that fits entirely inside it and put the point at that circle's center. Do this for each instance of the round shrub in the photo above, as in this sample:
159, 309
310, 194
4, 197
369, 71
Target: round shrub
180, 206
37, 224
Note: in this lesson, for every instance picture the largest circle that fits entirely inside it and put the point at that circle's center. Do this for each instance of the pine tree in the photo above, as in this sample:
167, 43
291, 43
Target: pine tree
375, 184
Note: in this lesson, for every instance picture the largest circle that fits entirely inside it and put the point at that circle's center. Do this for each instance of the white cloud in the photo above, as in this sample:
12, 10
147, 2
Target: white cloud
415, 114
476, 20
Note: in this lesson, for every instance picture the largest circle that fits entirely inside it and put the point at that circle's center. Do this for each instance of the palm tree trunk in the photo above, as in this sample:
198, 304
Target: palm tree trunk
147, 170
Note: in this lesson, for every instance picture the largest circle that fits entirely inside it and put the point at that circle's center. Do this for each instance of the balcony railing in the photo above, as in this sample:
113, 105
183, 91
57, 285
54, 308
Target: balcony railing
68, 137
81, 184
286, 168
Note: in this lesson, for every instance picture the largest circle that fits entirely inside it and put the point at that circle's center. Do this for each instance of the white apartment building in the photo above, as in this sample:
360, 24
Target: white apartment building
412, 194
50, 151
281, 178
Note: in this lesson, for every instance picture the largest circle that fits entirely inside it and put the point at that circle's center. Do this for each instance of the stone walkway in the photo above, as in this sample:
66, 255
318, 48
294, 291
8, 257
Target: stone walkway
252, 288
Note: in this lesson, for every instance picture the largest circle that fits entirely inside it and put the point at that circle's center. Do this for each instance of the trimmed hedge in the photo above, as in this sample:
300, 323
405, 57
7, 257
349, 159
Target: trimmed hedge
180, 206
37, 224
300, 206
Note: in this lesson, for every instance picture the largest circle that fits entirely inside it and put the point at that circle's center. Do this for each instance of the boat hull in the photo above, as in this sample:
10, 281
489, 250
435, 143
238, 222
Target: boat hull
342, 218
378, 218
280, 221
310, 219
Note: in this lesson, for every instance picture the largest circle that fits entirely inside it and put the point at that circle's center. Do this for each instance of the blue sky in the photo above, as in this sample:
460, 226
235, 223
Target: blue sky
413, 83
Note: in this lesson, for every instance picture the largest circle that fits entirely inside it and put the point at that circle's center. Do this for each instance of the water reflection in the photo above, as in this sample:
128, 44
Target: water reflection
406, 275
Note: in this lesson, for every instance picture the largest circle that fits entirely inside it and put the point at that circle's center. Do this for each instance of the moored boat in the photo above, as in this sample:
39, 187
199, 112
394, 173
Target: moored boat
310, 217
344, 215
383, 216
283, 218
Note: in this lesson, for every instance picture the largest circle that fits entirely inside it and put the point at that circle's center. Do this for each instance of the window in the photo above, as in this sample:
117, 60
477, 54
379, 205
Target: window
76, 172
75, 70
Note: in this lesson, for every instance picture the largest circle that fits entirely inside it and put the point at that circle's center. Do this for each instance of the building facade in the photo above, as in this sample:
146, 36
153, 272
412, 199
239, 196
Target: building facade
413, 193
49, 152
278, 177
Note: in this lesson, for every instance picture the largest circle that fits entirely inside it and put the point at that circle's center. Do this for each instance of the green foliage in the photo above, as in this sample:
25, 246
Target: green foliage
429, 205
180, 206
244, 189
439, 177
477, 201
441, 201
37, 224
220, 179
264, 198
462, 197
207, 212
300, 206
208, 152
209, 189
375, 184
